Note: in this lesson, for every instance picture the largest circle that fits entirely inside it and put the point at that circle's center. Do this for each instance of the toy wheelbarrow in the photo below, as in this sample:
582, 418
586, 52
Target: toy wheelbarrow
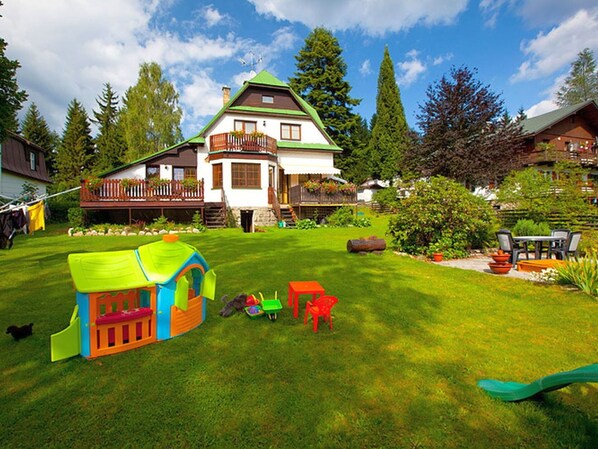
271, 307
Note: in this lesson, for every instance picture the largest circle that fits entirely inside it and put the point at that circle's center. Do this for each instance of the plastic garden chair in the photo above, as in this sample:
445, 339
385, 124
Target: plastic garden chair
570, 248
320, 307
508, 245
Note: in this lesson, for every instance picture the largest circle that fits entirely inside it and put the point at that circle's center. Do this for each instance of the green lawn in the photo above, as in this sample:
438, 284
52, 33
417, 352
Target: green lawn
411, 340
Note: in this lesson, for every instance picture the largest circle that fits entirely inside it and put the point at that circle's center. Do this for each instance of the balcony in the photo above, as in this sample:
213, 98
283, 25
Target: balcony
141, 193
299, 195
243, 142
581, 156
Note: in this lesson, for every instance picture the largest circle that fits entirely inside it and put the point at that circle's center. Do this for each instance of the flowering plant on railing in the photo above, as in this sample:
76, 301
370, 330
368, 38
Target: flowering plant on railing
347, 189
156, 183
312, 186
237, 134
329, 187
94, 183
127, 183
256, 134
190, 184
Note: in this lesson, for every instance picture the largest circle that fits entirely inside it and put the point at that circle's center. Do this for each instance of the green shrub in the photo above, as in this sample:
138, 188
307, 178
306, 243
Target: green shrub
341, 218
197, 221
386, 198
583, 273
60, 205
161, 223
530, 227
363, 222
306, 223
76, 217
441, 213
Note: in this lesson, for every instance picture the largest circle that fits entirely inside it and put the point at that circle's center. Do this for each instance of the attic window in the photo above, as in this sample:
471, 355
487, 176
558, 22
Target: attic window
269, 99
32, 160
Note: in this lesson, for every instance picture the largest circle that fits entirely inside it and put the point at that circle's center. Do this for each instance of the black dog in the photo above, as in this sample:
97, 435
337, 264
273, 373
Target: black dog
20, 332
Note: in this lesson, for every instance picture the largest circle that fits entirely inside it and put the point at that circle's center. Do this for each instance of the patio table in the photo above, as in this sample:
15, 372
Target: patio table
538, 240
297, 288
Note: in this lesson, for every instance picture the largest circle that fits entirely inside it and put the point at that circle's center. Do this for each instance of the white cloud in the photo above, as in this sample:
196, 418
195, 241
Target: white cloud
534, 12
373, 17
410, 69
550, 52
541, 108
365, 69
441, 59
212, 16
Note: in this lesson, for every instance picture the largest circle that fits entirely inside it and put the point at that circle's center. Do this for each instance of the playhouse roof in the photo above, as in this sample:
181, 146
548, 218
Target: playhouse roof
162, 260
107, 271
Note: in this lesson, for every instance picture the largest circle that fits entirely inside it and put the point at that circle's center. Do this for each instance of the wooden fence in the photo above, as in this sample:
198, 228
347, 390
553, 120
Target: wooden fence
509, 217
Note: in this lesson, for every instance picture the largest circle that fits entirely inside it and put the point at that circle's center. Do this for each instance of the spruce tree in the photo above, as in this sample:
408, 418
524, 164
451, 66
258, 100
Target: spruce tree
36, 129
110, 140
151, 113
582, 82
320, 80
390, 131
75, 155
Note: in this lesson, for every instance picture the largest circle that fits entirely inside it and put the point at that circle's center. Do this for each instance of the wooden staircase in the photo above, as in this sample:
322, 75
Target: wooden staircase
287, 217
215, 215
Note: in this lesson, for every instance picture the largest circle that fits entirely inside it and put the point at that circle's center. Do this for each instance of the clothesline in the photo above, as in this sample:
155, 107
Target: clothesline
43, 197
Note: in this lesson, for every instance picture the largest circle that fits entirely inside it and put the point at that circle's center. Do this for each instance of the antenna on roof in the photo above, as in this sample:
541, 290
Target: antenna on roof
253, 61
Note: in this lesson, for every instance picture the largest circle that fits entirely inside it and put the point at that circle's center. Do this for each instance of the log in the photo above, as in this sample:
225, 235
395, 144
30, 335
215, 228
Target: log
357, 246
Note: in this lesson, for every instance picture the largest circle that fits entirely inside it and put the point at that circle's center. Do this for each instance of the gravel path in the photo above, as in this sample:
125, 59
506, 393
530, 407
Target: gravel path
480, 263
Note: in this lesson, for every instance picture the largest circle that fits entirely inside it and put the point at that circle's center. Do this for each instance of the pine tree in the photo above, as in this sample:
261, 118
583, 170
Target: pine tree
36, 129
356, 167
320, 80
76, 152
390, 131
582, 82
11, 98
110, 140
151, 113
464, 134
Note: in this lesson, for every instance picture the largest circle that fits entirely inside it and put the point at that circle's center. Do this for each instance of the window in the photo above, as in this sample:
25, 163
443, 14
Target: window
180, 173
246, 127
269, 99
217, 176
290, 132
32, 160
152, 171
246, 175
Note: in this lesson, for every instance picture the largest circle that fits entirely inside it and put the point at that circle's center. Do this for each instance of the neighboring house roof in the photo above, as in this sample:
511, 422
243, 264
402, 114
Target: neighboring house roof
15, 158
536, 125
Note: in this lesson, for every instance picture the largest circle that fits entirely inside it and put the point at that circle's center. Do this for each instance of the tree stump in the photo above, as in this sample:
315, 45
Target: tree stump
367, 245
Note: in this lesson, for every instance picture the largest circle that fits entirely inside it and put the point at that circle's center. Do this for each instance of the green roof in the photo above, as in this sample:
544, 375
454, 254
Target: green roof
161, 260
307, 146
538, 124
107, 271
267, 110
267, 79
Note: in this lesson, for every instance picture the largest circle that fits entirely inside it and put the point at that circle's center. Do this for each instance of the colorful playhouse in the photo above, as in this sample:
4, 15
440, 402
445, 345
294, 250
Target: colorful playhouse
128, 299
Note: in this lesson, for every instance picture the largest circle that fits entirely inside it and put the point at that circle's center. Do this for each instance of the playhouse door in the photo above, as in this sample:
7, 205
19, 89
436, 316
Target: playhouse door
67, 343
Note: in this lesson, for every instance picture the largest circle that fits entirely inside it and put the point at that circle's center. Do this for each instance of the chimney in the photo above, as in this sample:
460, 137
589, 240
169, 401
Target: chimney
225, 94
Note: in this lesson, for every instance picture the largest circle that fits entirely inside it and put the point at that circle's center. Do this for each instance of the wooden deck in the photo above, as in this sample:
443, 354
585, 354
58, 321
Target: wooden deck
300, 196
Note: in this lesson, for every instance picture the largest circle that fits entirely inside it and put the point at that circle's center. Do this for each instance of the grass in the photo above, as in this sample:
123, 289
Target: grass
411, 340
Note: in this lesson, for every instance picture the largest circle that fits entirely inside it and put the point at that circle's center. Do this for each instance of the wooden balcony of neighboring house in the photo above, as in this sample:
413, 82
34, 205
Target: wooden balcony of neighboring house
300, 196
255, 143
583, 156
141, 194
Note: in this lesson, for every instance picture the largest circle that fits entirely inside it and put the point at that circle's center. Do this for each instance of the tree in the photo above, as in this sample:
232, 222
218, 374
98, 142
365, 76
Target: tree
355, 167
582, 82
76, 152
151, 114
389, 134
36, 129
11, 98
110, 142
320, 80
464, 134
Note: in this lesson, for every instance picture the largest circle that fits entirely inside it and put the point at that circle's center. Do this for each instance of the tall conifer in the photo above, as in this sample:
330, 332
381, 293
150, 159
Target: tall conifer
582, 82
36, 129
110, 142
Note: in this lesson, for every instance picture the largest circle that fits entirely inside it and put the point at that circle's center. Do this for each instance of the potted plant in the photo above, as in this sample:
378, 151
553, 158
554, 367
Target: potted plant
94, 184
436, 250
347, 189
237, 134
128, 183
329, 187
155, 183
189, 184
312, 186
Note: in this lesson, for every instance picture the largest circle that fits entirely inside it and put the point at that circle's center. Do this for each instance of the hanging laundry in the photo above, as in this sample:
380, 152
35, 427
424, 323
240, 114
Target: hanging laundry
37, 219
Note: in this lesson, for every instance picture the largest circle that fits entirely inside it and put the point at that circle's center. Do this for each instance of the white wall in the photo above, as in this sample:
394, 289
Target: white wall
12, 185
135, 172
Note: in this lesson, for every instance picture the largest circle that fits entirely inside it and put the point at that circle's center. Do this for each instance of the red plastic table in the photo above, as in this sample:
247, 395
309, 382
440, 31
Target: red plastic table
297, 288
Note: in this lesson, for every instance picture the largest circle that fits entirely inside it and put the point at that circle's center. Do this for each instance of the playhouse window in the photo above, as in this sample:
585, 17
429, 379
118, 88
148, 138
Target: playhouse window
246, 175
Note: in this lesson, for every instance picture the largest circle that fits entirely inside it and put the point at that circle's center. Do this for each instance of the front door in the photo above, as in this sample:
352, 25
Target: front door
283, 187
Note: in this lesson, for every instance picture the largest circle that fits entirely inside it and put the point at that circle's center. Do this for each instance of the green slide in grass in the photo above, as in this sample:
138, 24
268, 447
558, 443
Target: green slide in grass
515, 391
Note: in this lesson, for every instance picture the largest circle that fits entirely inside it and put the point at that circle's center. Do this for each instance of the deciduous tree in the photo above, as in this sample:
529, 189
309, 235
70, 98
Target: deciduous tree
582, 82
464, 135
151, 113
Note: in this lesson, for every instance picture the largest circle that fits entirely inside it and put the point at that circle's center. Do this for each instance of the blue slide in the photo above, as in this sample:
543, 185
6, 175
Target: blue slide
515, 391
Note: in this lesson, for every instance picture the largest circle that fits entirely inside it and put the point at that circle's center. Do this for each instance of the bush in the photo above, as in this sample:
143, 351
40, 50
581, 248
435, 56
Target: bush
530, 227
306, 223
441, 214
583, 273
341, 218
197, 221
60, 205
386, 198
76, 217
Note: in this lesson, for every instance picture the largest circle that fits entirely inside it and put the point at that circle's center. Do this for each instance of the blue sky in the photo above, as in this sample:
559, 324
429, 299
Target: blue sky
69, 48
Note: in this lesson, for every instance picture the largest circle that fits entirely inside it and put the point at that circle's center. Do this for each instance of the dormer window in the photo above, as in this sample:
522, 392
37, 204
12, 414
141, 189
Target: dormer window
267, 99
290, 132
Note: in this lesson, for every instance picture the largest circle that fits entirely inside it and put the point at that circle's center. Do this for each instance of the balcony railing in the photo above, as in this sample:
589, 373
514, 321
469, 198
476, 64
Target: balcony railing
141, 190
243, 142
584, 157
300, 195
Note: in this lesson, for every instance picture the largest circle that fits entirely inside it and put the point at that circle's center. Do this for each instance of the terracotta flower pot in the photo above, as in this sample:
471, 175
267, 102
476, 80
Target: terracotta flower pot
437, 257
500, 268
500, 258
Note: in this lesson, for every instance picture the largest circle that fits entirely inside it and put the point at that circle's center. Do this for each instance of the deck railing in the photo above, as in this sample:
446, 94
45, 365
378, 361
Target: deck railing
141, 190
243, 142
585, 157
300, 195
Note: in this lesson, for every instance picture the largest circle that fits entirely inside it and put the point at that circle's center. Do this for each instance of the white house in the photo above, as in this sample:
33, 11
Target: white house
251, 159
